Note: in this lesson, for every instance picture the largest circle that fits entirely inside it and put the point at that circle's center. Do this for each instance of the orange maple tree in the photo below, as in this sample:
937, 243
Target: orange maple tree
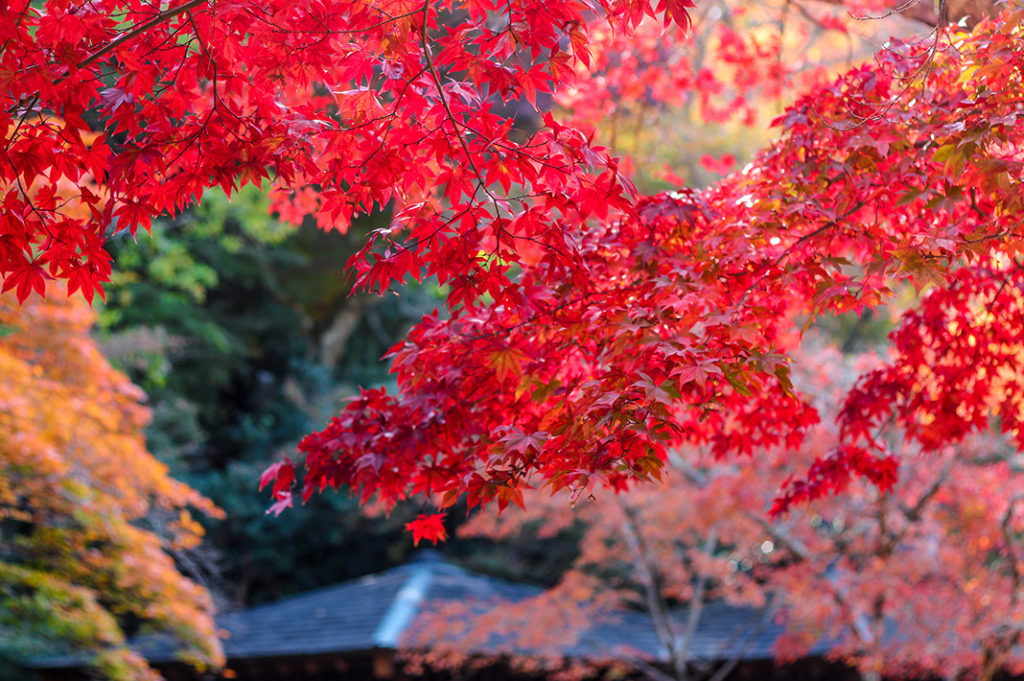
89, 520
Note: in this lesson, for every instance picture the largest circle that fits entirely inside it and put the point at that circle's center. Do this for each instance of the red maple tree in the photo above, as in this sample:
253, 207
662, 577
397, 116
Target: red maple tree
587, 330
670, 321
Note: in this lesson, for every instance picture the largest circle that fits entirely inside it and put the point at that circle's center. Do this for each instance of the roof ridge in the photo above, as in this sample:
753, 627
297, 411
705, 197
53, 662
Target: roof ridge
404, 606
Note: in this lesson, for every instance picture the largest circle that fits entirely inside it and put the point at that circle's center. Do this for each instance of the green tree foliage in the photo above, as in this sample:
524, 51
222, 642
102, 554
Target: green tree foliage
244, 333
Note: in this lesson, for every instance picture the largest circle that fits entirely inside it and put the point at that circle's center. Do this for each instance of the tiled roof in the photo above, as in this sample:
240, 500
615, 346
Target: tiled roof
338, 618
374, 611
371, 612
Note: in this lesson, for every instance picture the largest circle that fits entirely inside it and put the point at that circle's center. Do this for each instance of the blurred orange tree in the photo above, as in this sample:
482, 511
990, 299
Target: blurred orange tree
89, 520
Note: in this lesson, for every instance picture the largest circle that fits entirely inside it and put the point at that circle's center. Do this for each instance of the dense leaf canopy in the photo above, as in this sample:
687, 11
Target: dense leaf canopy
671, 322
587, 329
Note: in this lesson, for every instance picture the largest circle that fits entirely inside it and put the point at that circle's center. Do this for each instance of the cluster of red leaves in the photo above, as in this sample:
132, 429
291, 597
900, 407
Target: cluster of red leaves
427, 526
668, 322
370, 103
722, 71
956, 367
587, 330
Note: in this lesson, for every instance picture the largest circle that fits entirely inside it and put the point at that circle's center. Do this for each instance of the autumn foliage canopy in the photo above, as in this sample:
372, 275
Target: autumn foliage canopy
588, 330
90, 522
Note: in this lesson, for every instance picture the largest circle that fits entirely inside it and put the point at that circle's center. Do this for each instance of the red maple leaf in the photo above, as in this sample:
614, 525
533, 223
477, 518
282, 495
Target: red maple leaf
427, 526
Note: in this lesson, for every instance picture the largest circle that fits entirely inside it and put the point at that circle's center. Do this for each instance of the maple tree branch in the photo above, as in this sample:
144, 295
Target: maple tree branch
139, 29
806, 14
789, 249
799, 550
918, 10
481, 181
923, 11
652, 585
922, 72
392, 115
913, 514
645, 667
528, 320
436, 77
782, 535
1005, 638
218, 101
1011, 542
28, 202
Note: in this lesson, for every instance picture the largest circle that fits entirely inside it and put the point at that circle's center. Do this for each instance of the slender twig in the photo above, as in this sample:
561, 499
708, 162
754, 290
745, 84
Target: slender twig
138, 29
